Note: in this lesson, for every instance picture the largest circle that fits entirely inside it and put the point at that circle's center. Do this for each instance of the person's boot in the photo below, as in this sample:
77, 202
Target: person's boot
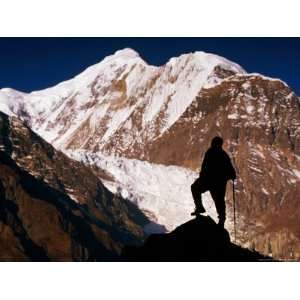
199, 210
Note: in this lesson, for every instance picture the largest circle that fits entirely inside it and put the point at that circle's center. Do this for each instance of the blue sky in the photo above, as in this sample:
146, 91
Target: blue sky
29, 64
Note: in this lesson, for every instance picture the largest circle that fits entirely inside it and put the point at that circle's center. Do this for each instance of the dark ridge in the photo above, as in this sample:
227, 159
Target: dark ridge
97, 229
200, 239
9, 216
78, 226
4, 133
105, 201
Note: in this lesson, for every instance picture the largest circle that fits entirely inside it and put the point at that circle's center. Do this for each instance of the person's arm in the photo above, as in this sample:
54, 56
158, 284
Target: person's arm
230, 168
204, 166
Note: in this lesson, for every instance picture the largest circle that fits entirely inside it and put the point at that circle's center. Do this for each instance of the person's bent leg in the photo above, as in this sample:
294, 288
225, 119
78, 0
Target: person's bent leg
197, 190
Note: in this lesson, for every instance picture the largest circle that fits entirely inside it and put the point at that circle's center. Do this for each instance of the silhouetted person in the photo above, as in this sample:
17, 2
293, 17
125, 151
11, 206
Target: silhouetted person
216, 170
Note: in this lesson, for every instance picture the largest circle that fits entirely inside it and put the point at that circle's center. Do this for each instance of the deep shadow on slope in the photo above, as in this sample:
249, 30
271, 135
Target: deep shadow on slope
39, 219
200, 239
74, 222
39, 223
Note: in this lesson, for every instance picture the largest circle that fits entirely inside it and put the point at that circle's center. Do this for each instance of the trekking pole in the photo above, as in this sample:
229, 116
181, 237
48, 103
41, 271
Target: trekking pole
234, 220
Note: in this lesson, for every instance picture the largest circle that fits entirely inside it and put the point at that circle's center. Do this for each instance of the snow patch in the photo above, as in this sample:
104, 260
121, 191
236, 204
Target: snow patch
265, 191
233, 116
297, 173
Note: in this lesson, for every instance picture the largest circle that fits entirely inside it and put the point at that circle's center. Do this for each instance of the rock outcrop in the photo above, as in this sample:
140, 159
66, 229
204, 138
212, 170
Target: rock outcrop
200, 239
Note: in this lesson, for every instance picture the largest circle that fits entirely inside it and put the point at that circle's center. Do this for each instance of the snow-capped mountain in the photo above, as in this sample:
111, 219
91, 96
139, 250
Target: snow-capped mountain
159, 121
88, 111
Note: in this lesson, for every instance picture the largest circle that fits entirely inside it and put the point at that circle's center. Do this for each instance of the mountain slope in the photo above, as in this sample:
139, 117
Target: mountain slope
259, 120
53, 208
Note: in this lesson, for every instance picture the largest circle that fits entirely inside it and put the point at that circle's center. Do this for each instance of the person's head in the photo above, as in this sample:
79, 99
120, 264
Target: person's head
217, 142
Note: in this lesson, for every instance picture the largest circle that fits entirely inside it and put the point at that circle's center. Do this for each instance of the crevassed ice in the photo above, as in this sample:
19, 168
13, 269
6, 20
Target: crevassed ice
164, 191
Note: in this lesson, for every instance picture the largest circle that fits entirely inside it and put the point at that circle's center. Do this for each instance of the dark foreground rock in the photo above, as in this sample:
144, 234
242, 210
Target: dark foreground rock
200, 239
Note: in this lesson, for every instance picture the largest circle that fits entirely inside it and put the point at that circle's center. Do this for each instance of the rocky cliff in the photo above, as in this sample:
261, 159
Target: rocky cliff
53, 208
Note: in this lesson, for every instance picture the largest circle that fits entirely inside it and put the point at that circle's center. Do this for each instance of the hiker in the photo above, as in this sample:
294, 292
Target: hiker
216, 170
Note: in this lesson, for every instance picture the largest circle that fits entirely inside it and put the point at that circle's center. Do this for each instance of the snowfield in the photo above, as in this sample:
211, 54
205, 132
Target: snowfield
162, 192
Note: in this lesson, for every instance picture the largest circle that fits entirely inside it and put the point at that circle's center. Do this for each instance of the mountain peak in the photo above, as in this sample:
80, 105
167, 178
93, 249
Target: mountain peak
126, 53
207, 62
216, 60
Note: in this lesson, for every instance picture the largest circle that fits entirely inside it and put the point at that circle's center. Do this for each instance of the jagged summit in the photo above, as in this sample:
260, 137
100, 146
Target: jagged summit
10, 90
200, 239
126, 53
209, 58
123, 56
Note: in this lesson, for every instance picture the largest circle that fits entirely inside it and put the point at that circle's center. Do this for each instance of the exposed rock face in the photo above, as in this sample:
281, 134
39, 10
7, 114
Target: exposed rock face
39, 219
168, 115
259, 120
